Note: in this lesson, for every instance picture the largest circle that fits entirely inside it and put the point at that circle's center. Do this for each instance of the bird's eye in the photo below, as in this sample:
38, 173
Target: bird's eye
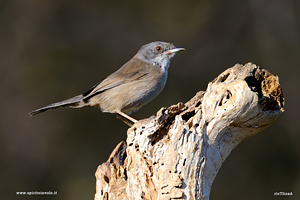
158, 48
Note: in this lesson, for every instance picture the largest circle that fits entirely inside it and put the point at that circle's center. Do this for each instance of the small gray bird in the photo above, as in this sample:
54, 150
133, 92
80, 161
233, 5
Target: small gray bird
136, 83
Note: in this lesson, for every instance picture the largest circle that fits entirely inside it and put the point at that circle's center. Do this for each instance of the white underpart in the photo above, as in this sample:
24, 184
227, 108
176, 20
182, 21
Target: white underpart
163, 62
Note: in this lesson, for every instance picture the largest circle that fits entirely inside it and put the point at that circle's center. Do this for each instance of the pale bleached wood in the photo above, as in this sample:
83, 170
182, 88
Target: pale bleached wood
177, 153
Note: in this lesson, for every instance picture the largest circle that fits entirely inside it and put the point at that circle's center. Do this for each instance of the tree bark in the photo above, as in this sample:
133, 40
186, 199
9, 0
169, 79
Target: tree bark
177, 153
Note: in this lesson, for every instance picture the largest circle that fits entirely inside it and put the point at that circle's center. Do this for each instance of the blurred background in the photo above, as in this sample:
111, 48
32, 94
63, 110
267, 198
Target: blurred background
53, 50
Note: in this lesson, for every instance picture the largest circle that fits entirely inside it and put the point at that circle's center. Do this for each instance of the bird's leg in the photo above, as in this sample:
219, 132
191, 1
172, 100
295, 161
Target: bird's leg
126, 118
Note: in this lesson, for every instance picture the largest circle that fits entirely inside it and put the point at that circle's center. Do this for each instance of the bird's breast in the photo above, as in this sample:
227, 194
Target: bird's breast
143, 91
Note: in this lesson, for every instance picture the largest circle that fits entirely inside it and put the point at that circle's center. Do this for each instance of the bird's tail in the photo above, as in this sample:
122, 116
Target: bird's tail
75, 102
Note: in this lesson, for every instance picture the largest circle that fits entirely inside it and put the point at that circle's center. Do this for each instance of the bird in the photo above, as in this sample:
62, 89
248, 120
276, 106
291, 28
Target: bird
129, 88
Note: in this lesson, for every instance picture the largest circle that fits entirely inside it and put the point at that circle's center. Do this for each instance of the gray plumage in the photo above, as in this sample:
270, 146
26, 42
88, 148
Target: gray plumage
136, 83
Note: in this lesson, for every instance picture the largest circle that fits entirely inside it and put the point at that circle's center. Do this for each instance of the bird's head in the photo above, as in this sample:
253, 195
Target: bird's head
158, 53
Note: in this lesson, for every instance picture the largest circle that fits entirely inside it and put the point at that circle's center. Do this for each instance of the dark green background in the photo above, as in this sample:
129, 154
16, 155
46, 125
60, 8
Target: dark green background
53, 50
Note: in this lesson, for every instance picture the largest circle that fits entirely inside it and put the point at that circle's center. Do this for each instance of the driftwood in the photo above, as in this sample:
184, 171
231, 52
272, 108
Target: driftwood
177, 153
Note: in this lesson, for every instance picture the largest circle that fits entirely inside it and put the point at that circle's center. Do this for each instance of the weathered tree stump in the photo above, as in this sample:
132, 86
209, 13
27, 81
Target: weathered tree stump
177, 153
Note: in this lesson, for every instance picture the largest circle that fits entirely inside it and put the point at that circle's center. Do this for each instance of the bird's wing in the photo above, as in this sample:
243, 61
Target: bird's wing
125, 74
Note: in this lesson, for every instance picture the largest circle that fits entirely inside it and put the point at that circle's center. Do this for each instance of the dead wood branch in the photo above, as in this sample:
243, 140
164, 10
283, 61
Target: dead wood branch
177, 153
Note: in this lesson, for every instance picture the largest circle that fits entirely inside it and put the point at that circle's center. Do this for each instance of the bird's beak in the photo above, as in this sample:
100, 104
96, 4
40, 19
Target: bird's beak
172, 51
